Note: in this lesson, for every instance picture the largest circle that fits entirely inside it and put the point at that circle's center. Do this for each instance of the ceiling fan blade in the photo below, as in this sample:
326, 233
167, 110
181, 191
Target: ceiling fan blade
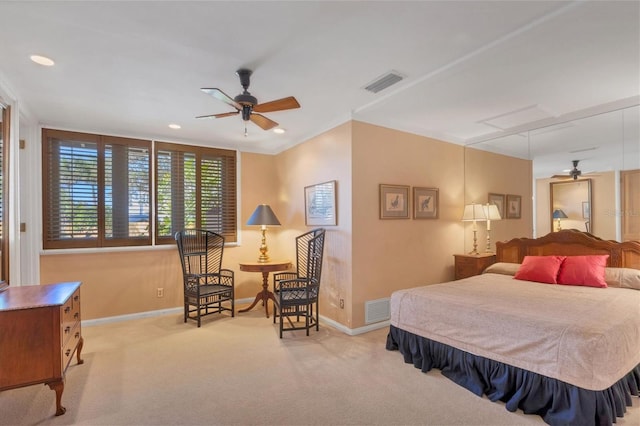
221, 96
277, 105
222, 115
263, 121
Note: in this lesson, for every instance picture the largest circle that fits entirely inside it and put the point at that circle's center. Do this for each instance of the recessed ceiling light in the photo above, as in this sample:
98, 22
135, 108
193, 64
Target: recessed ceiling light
279, 131
175, 126
42, 60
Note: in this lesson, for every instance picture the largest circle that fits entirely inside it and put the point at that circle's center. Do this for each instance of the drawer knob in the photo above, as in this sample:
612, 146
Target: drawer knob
67, 309
76, 315
67, 329
68, 351
76, 298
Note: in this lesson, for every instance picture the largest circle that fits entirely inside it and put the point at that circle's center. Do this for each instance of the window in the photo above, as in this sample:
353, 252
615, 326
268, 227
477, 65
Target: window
96, 190
195, 188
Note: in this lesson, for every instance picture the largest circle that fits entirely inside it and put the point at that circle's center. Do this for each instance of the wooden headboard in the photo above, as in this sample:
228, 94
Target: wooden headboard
570, 242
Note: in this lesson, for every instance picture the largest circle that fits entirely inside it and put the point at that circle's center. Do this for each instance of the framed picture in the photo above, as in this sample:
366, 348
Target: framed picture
425, 203
498, 200
320, 204
586, 210
514, 206
394, 201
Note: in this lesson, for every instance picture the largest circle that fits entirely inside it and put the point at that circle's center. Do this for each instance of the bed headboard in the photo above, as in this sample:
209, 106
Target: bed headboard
570, 242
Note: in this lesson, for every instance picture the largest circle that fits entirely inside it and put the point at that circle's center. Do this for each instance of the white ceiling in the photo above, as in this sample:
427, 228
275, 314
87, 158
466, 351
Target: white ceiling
474, 70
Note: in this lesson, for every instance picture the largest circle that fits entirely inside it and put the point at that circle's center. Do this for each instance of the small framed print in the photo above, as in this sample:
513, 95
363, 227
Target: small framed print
394, 201
498, 200
320, 204
425, 203
514, 206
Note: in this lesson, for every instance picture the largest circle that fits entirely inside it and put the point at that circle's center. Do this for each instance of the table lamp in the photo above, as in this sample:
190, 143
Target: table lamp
473, 213
492, 213
559, 214
263, 216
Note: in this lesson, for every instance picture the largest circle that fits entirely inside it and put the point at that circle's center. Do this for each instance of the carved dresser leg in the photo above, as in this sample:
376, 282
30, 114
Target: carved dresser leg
58, 387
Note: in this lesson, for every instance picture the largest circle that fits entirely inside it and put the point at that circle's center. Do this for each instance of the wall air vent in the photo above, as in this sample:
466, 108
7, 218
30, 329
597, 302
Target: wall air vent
383, 82
377, 310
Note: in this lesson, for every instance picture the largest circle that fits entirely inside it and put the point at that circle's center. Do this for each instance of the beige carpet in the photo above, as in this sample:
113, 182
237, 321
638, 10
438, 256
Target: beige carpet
236, 371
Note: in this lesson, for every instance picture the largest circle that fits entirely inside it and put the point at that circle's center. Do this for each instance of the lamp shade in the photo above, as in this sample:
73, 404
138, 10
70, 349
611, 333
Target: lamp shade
559, 214
263, 215
473, 212
491, 212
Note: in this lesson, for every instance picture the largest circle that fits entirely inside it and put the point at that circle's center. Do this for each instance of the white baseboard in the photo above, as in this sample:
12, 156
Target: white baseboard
179, 310
127, 317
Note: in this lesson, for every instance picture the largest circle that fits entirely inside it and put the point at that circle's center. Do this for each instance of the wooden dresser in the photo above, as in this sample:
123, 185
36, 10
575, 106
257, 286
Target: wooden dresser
468, 265
39, 333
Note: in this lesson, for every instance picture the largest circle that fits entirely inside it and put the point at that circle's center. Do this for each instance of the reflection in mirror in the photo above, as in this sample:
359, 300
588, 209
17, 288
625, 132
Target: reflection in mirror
571, 205
607, 147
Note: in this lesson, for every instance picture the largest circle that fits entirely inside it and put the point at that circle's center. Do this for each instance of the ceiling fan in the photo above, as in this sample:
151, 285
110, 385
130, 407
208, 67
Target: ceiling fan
248, 105
574, 173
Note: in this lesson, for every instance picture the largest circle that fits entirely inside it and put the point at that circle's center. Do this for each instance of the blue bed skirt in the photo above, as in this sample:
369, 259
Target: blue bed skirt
557, 402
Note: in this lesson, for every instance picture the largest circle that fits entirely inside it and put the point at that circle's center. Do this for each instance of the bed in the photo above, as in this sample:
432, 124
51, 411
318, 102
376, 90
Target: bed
569, 353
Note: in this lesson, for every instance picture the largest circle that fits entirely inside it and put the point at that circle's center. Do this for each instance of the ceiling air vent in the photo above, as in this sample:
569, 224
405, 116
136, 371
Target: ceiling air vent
383, 82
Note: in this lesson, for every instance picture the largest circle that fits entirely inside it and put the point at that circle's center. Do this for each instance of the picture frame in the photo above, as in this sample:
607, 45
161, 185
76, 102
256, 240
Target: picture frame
586, 210
320, 204
394, 201
425, 203
514, 206
498, 201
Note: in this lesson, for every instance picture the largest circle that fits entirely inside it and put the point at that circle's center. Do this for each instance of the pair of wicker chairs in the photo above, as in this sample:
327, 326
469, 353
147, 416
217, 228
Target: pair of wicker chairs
209, 288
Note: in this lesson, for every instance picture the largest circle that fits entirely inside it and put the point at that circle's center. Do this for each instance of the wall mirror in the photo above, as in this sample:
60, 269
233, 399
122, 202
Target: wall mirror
607, 145
571, 205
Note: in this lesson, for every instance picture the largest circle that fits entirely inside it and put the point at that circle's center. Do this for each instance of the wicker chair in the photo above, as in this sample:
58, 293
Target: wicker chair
206, 284
297, 292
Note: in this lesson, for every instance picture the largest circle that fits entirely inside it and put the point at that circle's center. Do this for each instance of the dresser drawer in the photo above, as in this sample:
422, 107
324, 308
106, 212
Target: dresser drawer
70, 315
70, 345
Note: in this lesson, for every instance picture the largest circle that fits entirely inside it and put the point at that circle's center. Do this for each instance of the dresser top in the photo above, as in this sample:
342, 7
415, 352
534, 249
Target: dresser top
34, 296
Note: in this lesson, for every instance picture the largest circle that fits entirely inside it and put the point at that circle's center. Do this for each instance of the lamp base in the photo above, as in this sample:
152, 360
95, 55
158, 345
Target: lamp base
475, 244
264, 257
488, 249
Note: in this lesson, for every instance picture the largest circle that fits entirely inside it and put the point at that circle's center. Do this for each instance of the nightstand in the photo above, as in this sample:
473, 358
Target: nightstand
468, 265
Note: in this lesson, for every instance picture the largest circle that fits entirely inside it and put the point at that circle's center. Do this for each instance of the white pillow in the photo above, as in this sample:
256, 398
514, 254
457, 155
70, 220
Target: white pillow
622, 277
502, 268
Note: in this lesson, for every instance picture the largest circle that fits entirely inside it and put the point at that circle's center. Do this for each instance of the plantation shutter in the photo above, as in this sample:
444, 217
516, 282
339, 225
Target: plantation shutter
195, 188
90, 186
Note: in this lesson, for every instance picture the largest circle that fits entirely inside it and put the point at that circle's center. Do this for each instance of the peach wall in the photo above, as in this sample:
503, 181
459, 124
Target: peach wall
393, 254
125, 282
487, 172
321, 159
365, 258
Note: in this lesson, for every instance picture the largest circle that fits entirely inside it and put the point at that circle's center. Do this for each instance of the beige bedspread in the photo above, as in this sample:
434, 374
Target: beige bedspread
588, 337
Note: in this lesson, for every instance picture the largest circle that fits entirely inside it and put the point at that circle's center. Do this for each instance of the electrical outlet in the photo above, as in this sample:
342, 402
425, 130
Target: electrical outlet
341, 303
160, 292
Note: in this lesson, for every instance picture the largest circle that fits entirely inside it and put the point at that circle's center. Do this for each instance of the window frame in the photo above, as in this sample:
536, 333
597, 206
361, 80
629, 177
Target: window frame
230, 188
101, 141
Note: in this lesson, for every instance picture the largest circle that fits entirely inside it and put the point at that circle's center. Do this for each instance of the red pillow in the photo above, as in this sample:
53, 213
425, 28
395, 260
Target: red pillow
542, 269
584, 270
